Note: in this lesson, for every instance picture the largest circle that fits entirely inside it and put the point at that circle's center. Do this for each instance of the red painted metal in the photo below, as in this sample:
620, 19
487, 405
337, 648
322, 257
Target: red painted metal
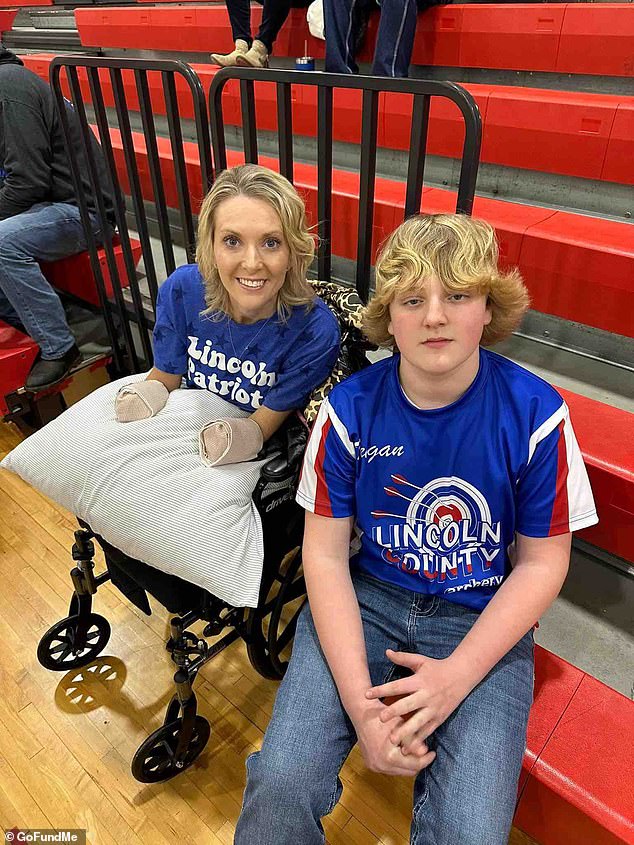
578, 789
556, 37
618, 160
17, 354
74, 274
597, 39
606, 437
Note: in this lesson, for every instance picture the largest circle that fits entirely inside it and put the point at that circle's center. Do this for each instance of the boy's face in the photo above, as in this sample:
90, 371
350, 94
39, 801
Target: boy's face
438, 332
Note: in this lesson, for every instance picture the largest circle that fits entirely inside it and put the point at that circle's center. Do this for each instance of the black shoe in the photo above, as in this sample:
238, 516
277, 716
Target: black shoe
47, 373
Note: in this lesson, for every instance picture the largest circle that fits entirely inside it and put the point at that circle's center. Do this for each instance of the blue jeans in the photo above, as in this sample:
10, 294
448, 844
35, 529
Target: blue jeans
466, 796
394, 40
46, 232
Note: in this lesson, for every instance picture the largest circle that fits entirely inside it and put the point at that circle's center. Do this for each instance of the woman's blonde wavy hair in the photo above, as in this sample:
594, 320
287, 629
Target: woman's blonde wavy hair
463, 254
251, 180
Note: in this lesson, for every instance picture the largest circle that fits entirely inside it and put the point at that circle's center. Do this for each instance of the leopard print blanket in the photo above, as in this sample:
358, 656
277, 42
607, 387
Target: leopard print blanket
347, 306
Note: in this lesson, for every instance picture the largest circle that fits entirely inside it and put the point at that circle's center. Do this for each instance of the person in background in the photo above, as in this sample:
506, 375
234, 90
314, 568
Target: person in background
248, 51
344, 19
39, 216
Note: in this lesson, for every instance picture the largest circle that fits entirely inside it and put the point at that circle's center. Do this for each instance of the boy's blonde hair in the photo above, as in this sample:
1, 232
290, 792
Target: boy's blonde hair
463, 254
251, 180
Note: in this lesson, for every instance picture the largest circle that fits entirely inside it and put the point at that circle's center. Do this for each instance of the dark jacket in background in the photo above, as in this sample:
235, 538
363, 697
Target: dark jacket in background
34, 163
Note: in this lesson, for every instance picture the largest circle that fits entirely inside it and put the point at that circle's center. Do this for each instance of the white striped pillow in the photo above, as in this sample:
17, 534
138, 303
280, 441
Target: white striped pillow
144, 488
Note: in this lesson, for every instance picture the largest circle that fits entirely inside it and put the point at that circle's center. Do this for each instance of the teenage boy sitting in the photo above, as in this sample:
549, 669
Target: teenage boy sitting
460, 477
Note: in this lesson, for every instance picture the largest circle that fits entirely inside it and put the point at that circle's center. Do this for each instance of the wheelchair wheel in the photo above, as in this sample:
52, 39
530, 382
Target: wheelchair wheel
69, 645
270, 627
155, 759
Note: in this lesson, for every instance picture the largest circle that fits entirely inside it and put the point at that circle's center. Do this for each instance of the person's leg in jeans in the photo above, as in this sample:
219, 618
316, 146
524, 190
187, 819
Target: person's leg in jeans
468, 794
239, 12
294, 780
395, 38
274, 15
342, 21
46, 232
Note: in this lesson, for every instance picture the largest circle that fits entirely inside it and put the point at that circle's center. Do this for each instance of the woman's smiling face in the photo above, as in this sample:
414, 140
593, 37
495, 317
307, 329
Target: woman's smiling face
252, 256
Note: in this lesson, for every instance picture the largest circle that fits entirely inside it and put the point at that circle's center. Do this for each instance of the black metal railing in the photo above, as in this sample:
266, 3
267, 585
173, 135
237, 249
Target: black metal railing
81, 79
371, 86
139, 165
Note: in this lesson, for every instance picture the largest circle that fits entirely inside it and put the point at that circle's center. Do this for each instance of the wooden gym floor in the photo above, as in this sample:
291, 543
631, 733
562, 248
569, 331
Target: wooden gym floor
66, 740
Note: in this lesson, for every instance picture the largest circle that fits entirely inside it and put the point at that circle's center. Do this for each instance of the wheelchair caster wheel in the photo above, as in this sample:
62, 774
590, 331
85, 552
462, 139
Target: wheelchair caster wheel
64, 647
154, 760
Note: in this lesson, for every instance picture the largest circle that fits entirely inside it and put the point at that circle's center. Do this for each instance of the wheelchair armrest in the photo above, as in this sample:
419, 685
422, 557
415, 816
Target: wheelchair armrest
287, 447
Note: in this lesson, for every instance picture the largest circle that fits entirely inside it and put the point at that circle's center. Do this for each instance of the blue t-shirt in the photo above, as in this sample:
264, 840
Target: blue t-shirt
438, 495
272, 363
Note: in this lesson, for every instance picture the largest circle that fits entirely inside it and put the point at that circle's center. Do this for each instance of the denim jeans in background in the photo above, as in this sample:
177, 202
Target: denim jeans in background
394, 40
46, 232
466, 796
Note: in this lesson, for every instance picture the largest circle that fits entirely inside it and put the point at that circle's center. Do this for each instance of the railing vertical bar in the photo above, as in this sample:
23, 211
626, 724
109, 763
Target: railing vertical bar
470, 157
249, 130
180, 169
202, 128
217, 124
324, 182
285, 129
417, 154
121, 107
156, 174
369, 120
91, 241
80, 111
135, 183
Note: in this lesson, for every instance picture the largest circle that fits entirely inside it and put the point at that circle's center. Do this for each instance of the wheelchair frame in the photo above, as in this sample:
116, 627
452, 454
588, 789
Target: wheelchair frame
82, 635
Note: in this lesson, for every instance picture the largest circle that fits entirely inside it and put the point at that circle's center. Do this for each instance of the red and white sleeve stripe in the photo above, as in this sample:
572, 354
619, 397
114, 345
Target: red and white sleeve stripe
573, 502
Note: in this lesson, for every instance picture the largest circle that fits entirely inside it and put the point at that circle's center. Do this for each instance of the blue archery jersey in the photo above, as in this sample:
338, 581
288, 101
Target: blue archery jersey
438, 495
270, 362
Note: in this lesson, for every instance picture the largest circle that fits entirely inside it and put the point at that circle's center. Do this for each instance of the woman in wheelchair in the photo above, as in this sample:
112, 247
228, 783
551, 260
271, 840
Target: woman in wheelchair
245, 325
243, 322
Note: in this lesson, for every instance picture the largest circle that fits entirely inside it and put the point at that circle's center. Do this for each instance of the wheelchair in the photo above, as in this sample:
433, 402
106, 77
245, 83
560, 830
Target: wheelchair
267, 629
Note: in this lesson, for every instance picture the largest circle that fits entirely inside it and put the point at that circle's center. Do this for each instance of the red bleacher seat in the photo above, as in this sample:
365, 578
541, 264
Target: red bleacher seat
576, 267
578, 765
17, 354
583, 135
597, 39
605, 436
74, 274
517, 36
7, 17
536, 129
618, 159
555, 684
574, 134
580, 268
556, 37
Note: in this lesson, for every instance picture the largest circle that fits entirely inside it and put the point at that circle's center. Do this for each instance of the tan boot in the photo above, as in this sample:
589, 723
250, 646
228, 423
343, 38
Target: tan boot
230, 59
257, 56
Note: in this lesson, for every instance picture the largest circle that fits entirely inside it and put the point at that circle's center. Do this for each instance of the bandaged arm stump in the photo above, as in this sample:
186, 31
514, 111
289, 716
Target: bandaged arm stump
230, 441
144, 399
140, 400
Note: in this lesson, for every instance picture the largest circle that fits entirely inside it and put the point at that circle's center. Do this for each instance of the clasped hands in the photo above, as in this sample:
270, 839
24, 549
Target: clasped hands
223, 441
398, 717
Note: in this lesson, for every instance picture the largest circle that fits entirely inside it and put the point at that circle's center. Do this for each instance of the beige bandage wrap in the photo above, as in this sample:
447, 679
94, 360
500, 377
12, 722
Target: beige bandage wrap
229, 441
140, 401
